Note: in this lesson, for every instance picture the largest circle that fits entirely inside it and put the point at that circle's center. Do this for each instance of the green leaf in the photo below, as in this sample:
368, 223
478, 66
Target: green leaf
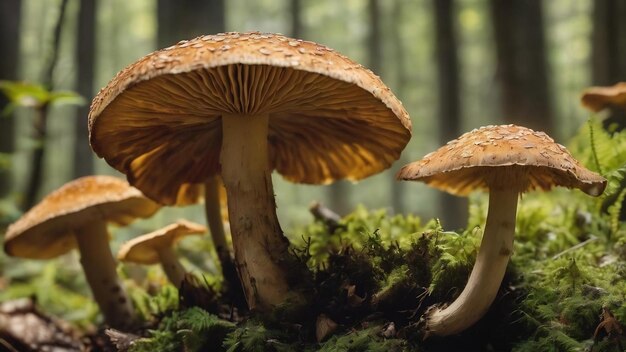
64, 97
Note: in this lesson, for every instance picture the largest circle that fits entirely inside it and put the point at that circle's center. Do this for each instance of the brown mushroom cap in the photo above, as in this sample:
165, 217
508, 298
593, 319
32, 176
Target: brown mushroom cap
330, 118
599, 98
46, 230
144, 249
502, 156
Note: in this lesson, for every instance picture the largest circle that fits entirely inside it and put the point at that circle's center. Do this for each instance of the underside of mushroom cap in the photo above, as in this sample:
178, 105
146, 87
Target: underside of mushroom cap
47, 230
330, 118
506, 156
599, 98
144, 249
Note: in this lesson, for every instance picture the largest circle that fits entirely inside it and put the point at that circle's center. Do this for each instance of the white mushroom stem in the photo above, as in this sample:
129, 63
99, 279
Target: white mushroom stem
214, 215
488, 271
100, 270
172, 267
258, 240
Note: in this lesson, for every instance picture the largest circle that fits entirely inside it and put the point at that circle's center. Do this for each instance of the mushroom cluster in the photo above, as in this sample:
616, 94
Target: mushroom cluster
242, 105
506, 161
76, 216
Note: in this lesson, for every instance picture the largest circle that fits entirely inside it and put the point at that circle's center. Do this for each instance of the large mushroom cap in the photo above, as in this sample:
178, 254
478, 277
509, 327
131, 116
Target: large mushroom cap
599, 98
144, 249
330, 118
525, 159
46, 230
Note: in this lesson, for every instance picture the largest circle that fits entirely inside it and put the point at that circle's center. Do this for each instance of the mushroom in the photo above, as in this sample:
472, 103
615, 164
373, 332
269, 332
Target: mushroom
599, 98
76, 216
507, 161
241, 105
157, 247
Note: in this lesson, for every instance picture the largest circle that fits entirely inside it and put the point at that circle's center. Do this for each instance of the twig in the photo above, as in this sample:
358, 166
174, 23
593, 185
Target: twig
576, 247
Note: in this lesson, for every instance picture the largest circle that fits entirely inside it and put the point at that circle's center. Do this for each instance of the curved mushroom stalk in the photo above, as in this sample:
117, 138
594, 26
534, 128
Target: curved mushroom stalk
257, 237
213, 212
488, 271
100, 270
172, 267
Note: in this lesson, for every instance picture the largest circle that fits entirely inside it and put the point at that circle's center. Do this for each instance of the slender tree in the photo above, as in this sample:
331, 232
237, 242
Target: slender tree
85, 57
185, 19
42, 112
522, 68
10, 11
453, 210
609, 49
397, 188
295, 9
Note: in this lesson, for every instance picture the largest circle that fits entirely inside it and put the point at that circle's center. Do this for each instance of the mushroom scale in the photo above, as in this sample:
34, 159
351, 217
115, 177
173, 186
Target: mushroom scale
507, 161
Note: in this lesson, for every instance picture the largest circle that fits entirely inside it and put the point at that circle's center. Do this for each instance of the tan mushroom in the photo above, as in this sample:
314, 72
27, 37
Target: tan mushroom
76, 216
158, 248
600, 98
241, 105
506, 161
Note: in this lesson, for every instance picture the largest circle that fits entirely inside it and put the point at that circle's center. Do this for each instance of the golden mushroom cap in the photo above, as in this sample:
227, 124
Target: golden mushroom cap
599, 98
505, 156
47, 230
144, 249
159, 120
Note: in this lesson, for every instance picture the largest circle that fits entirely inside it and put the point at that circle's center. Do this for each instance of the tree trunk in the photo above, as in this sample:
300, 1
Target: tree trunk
296, 18
85, 57
609, 50
186, 19
522, 68
41, 118
398, 188
10, 11
453, 210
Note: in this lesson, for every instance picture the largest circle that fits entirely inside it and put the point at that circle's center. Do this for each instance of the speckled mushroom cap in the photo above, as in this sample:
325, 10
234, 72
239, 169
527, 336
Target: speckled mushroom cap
599, 98
144, 249
507, 157
47, 230
330, 118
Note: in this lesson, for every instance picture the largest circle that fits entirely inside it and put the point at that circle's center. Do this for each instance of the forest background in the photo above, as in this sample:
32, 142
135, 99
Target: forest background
456, 65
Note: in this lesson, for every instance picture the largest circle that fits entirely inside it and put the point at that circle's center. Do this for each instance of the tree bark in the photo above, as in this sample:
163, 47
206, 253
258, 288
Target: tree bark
85, 57
41, 118
186, 19
609, 50
398, 188
10, 13
295, 9
522, 68
453, 210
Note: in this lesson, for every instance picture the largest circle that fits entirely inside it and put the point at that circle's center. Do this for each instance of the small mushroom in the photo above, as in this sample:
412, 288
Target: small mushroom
507, 161
242, 105
599, 98
76, 216
157, 247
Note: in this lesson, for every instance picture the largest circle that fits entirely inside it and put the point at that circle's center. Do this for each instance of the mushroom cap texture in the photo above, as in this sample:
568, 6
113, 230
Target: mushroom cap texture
506, 156
330, 118
144, 249
47, 230
599, 98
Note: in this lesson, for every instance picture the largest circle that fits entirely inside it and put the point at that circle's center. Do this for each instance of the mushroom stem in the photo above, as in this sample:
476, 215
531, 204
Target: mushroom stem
174, 270
216, 225
258, 240
100, 270
488, 271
